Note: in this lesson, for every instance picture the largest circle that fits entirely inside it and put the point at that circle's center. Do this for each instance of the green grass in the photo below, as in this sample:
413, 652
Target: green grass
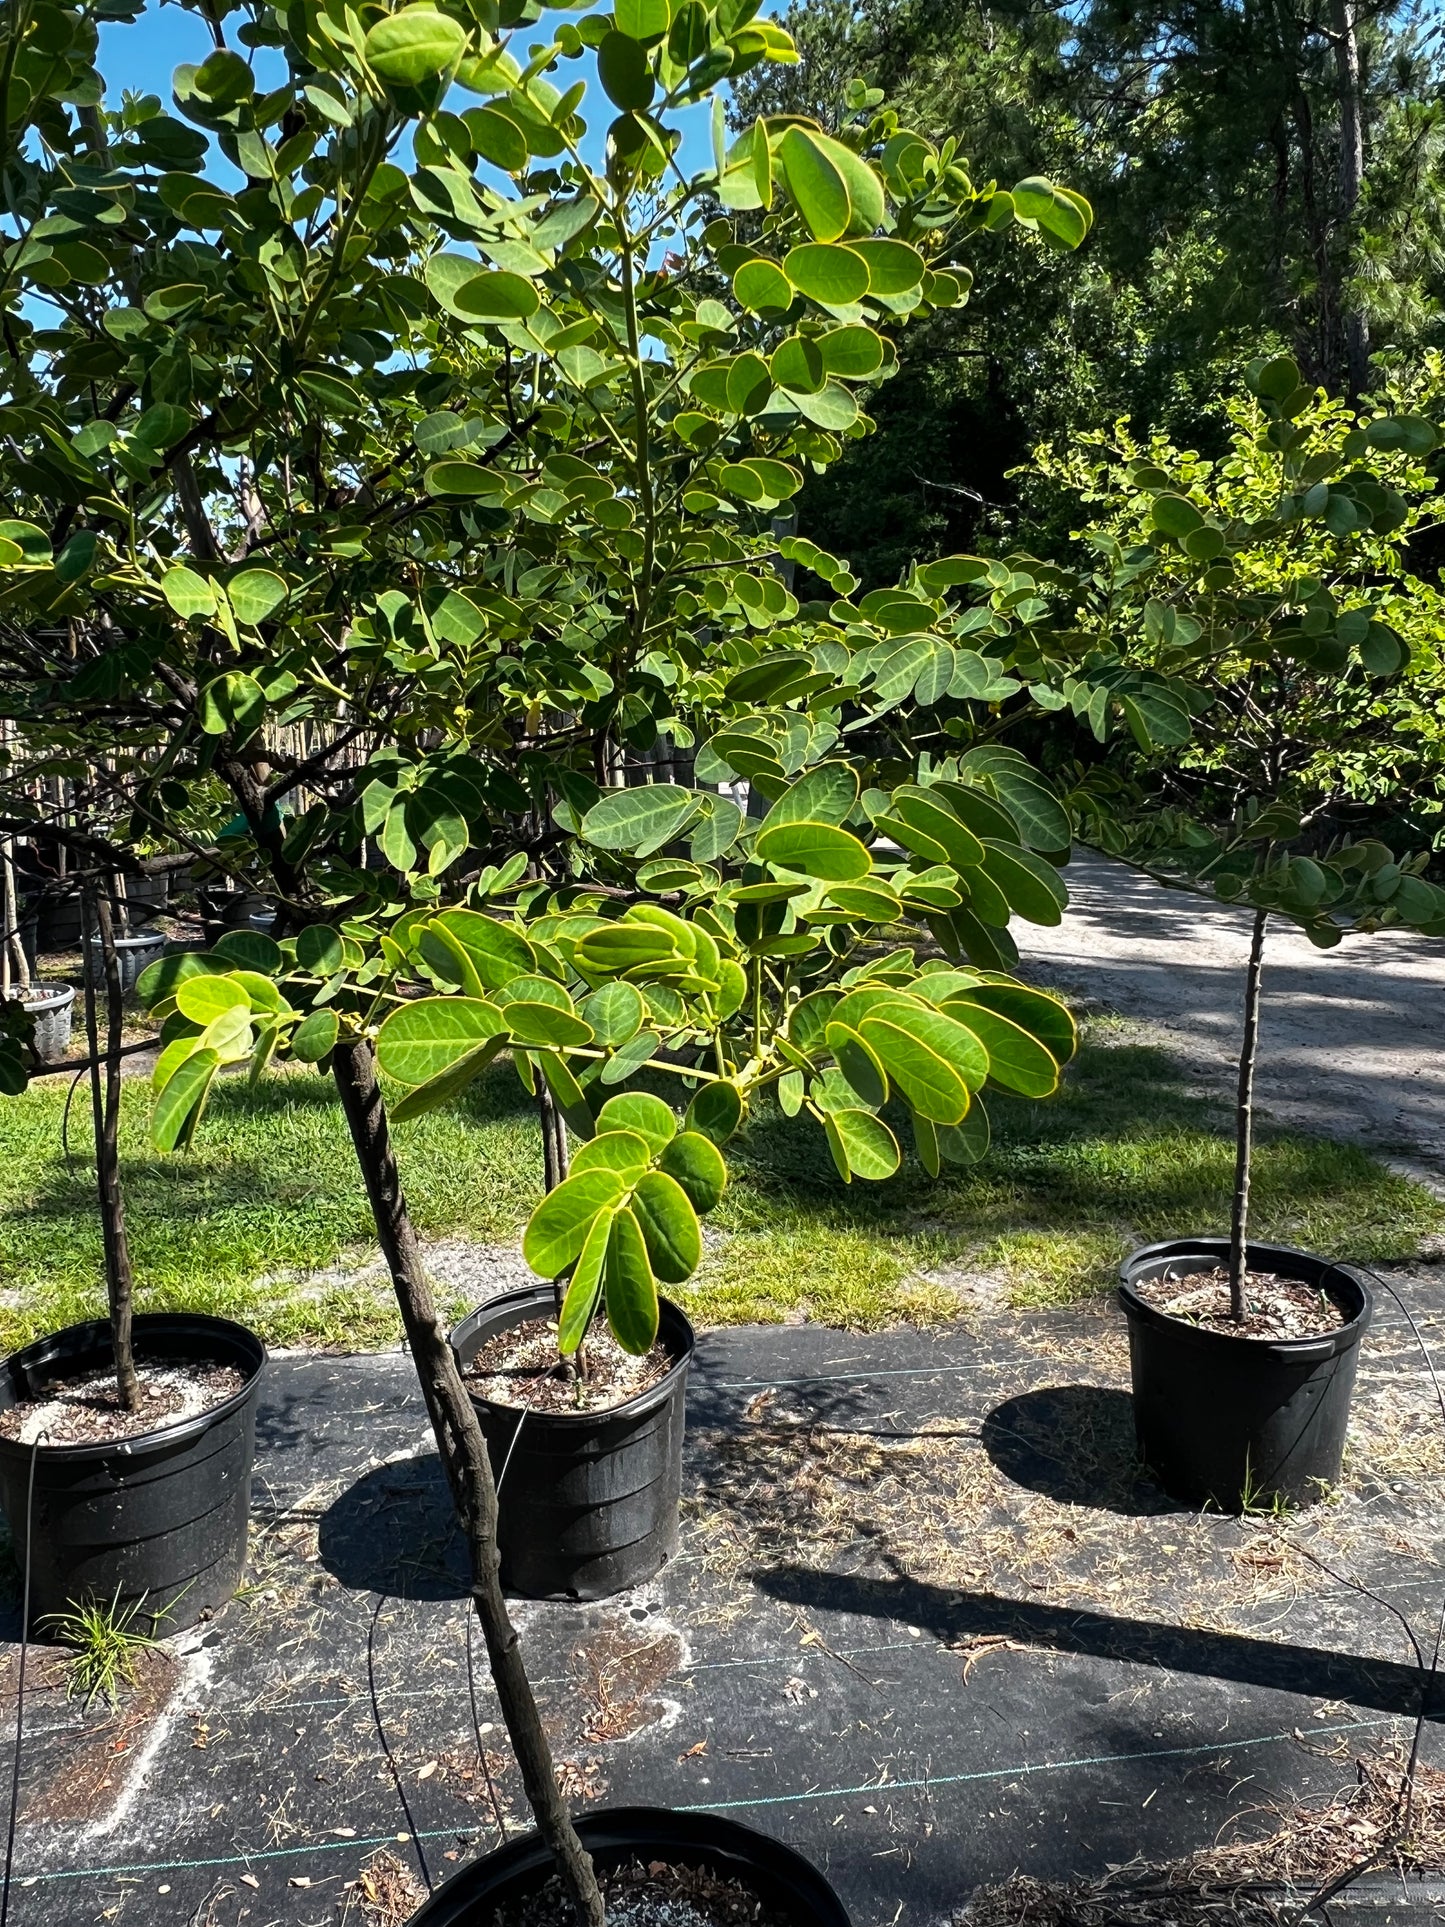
1128, 1152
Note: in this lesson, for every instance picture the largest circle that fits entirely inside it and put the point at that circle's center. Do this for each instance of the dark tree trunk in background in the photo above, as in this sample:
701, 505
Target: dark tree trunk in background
464, 1458
1244, 1119
1352, 179
105, 1096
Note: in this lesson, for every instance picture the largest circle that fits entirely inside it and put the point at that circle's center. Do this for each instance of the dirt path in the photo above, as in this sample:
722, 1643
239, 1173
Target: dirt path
1350, 1039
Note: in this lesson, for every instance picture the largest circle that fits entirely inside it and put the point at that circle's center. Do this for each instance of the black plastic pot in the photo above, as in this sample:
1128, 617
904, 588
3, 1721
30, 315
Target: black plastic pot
588, 1506
1240, 1422
780, 1878
158, 1520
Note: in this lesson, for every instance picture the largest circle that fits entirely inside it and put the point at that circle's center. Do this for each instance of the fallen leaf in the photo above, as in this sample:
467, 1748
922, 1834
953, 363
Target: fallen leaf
428, 1770
249, 1880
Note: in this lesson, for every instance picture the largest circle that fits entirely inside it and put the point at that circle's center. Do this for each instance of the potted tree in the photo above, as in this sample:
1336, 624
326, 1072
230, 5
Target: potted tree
1246, 633
540, 466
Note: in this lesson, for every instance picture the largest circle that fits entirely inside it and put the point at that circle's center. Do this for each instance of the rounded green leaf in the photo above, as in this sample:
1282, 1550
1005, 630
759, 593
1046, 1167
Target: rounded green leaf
1042, 1016
931, 1059
762, 287
623, 69
497, 139
255, 594
251, 950
862, 1145
163, 978
816, 850
320, 950
835, 277
695, 1162
1058, 212
629, 1287
1016, 1061
540, 1025
1033, 888
495, 294
853, 354
714, 1113
640, 820
894, 267
641, 1112
421, 1040
615, 1012
233, 702
644, 20
1175, 515
832, 408
188, 594
181, 1102
622, 1152
414, 44
558, 1228
670, 1228
202, 999
796, 365
859, 1063
816, 185
316, 1036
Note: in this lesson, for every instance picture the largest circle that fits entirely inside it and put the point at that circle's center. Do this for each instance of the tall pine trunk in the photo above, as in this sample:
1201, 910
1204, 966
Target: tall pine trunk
1244, 1119
105, 1096
1345, 23
468, 1469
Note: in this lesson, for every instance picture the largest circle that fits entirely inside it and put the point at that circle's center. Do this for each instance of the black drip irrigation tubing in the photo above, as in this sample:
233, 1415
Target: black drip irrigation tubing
19, 1691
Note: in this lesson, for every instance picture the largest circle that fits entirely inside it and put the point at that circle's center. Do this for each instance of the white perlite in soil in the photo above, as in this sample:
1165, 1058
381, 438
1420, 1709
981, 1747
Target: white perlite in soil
169, 1394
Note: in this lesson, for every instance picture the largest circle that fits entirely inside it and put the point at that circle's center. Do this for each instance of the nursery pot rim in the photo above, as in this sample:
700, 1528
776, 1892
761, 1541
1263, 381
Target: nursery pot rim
120, 938
1331, 1274
524, 1297
620, 1832
45, 994
96, 1332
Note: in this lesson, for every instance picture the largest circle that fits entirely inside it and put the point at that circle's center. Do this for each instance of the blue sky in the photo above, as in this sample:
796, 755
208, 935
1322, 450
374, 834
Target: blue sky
143, 56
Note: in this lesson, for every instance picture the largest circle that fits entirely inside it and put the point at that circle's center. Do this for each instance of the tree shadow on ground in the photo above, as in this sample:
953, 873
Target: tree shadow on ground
1075, 1444
951, 1616
393, 1531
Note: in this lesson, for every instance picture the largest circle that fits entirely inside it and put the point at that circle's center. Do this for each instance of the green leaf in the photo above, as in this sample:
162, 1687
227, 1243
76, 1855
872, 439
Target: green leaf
1064, 215
791, 1091
615, 1012
622, 1152
835, 277
762, 287
670, 1228
862, 1145
558, 1228
233, 702
623, 69
714, 1113
833, 408
926, 1061
585, 1288
853, 354
644, 20
640, 820
631, 1057
448, 1083
859, 1063
203, 999
181, 1102
816, 186
630, 1290
1016, 1060
894, 267
567, 1094
255, 594
826, 794
1032, 887
641, 1112
251, 950
814, 849
694, 1160
188, 594
414, 44
495, 294
316, 1036
421, 1040
319, 950
930, 826
1175, 515
162, 978
497, 952
1034, 1011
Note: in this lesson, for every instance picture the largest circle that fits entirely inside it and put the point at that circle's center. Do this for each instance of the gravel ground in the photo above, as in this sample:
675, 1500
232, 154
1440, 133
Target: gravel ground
1350, 1039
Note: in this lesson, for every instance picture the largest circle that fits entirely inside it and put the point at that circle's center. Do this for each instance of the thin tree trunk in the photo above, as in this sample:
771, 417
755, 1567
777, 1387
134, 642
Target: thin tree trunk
554, 1156
468, 1469
105, 1110
1352, 177
1244, 1119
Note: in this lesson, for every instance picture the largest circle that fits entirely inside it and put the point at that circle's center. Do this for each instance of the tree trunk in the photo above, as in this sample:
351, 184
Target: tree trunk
105, 1110
1244, 1120
1352, 177
468, 1469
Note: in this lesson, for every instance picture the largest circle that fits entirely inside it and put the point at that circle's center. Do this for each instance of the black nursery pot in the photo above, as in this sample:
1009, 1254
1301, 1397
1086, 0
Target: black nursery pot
588, 1506
159, 1519
780, 1878
1241, 1421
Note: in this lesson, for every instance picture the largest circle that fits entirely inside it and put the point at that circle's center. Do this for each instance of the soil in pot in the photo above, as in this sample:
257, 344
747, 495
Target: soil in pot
86, 1409
1274, 1306
521, 1367
655, 1894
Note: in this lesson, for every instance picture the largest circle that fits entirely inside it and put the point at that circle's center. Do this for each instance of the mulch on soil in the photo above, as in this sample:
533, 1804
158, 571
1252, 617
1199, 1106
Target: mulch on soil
1274, 1307
522, 1366
87, 1410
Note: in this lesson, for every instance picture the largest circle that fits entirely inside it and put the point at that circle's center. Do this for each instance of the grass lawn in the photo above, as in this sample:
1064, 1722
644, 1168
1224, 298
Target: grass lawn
1128, 1152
